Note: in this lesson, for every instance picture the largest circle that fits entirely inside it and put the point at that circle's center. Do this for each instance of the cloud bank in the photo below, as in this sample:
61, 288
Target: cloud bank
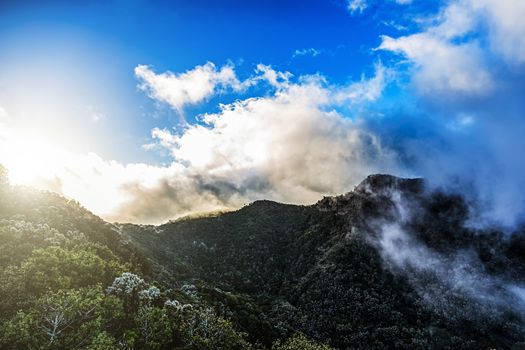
291, 145
465, 68
302, 137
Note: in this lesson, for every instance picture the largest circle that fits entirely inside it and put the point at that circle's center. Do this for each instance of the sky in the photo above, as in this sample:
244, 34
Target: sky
149, 111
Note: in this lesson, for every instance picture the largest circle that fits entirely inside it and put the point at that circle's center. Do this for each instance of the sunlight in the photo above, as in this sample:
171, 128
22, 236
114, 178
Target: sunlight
35, 160
30, 158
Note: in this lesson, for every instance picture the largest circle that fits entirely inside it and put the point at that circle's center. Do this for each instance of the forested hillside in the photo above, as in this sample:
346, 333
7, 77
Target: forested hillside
388, 265
69, 281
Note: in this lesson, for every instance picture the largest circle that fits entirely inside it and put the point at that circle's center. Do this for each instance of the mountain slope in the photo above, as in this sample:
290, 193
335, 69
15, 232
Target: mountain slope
391, 264
328, 270
69, 281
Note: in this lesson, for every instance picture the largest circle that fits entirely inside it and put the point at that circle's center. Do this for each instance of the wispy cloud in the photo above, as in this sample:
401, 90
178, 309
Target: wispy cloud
356, 6
360, 6
365, 90
441, 66
467, 78
307, 52
455, 283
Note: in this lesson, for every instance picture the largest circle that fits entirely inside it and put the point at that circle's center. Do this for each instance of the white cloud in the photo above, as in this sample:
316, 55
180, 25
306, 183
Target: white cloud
307, 52
356, 6
448, 55
122, 192
365, 90
190, 87
442, 66
286, 146
275, 78
289, 145
404, 2
506, 26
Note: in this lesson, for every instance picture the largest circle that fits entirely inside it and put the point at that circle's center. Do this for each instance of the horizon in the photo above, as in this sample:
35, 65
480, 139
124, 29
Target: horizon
146, 112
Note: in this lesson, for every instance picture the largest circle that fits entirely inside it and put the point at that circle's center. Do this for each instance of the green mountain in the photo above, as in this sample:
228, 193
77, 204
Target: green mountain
391, 264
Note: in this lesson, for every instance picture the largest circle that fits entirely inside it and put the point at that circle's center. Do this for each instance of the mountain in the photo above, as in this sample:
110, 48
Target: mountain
329, 271
392, 264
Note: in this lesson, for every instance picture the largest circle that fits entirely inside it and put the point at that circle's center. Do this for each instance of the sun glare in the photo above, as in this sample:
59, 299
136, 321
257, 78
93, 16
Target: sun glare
35, 160
30, 159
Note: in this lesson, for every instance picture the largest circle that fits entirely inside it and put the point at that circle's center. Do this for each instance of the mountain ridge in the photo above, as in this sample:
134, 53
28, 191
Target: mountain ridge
390, 264
296, 257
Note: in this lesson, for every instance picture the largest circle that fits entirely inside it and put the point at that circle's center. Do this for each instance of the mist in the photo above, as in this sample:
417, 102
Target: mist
460, 128
453, 283
438, 102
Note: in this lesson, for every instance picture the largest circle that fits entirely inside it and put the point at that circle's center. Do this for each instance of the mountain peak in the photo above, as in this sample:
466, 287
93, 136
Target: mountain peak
380, 182
354, 202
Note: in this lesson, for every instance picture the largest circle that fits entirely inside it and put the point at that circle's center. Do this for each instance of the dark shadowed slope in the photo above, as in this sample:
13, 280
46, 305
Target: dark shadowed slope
388, 265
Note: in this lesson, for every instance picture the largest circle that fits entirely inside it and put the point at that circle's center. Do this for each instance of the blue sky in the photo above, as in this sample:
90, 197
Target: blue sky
205, 105
96, 45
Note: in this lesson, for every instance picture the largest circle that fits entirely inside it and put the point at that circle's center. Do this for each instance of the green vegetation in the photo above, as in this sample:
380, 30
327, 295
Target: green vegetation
278, 269
69, 281
269, 276
299, 341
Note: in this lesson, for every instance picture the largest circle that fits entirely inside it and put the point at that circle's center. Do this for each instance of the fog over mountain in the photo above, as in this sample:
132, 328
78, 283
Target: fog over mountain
391, 249
281, 175
440, 99
391, 264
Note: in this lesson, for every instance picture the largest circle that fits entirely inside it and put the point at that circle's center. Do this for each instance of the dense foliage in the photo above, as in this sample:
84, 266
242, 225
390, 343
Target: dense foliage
318, 270
69, 281
269, 276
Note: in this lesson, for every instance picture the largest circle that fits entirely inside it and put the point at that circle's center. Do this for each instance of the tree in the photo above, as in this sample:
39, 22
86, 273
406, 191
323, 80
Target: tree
103, 341
154, 326
55, 268
299, 342
65, 319
203, 329
128, 287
